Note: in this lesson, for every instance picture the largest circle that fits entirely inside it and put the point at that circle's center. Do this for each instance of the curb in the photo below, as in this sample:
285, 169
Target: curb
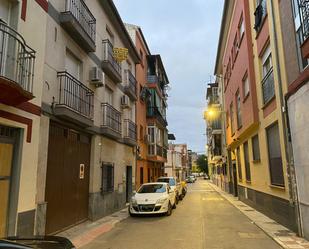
287, 238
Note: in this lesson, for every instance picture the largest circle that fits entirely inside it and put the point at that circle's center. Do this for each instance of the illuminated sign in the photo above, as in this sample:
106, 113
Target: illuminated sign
120, 54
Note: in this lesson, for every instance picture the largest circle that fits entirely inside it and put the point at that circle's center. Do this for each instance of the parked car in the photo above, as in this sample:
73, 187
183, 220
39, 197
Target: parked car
153, 198
206, 177
37, 242
174, 184
189, 179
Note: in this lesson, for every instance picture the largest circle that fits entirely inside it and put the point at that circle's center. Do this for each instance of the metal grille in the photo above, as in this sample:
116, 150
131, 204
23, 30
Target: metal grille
83, 16
108, 55
7, 132
16, 58
75, 95
304, 11
130, 129
130, 81
107, 178
111, 118
268, 87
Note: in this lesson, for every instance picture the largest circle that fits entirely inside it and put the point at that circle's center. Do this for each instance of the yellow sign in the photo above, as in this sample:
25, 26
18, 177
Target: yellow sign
120, 54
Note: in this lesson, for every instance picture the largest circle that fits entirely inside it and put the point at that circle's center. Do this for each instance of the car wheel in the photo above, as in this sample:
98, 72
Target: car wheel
181, 197
131, 214
169, 211
175, 202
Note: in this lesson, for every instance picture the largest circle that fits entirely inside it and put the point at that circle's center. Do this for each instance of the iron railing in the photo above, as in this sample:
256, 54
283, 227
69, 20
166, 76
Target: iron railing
304, 12
16, 58
152, 79
108, 55
157, 113
130, 81
75, 95
268, 87
111, 118
130, 129
83, 16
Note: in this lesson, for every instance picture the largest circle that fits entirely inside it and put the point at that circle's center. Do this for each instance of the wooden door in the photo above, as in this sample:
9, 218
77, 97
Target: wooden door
67, 188
6, 155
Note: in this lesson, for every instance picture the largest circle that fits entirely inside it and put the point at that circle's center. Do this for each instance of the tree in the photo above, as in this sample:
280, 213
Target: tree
202, 164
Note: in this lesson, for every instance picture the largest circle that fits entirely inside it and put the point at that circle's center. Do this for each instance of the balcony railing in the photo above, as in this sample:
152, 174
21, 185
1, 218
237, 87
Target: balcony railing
152, 79
108, 57
16, 58
130, 84
83, 16
75, 95
268, 87
304, 10
130, 129
260, 14
154, 112
111, 118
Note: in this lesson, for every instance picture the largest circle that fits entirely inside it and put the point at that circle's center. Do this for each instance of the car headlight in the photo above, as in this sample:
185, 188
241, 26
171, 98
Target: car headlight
133, 201
161, 201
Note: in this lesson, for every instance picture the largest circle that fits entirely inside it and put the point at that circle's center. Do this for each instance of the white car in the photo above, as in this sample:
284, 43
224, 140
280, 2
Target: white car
153, 198
174, 184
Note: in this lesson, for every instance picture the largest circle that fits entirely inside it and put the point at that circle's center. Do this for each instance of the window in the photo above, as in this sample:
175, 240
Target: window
247, 162
73, 65
239, 164
268, 87
235, 48
107, 184
274, 155
232, 118
141, 175
108, 95
260, 14
256, 148
238, 103
241, 28
110, 35
246, 86
141, 132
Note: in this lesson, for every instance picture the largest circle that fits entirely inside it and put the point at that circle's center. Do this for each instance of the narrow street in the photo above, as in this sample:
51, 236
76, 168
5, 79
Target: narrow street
202, 220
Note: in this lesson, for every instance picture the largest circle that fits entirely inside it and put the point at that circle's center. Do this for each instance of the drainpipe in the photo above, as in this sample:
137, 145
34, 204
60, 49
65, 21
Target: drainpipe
288, 148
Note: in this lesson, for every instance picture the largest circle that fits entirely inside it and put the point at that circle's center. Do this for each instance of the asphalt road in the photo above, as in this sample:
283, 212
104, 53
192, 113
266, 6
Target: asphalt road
202, 220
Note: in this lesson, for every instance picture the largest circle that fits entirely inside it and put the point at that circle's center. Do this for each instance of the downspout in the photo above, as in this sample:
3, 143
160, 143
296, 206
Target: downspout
288, 148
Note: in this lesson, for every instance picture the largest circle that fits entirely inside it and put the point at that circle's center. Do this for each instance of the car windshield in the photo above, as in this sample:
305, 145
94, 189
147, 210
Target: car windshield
170, 181
152, 188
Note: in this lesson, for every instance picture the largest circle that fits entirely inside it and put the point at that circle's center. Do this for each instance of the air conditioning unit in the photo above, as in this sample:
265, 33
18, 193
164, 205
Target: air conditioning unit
125, 101
97, 77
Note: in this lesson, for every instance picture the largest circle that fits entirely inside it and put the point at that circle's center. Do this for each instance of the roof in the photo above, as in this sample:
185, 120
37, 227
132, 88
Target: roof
171, 136
116, 20
158, 57
140, 32
153, 183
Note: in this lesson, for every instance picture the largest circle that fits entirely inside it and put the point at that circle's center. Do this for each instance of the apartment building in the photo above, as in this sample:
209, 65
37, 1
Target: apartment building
21, 76
249, 61
214, 117
87, 131
294, 19
143, 174
157, 84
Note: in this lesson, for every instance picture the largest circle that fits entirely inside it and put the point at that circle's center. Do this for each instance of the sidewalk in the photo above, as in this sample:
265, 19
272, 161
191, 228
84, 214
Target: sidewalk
283, 236
86, 232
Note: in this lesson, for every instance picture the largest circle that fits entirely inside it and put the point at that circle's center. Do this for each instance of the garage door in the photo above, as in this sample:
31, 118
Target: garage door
67, 181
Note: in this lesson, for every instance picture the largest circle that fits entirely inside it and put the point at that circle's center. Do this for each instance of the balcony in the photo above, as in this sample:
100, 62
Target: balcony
130, 85
154, 112
157, 153
78, 21
268, 87
16, 67
304, 10
130, 132
152, 79
111, 122
110, 66
75, 102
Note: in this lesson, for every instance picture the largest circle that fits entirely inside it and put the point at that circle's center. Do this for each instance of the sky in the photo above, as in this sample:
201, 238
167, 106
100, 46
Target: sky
185, 34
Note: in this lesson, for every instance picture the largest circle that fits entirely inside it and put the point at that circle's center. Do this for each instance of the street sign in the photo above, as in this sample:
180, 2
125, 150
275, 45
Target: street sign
120, 54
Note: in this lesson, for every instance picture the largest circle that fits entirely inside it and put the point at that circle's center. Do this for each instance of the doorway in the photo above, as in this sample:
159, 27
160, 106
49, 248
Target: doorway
129, 183
235, 189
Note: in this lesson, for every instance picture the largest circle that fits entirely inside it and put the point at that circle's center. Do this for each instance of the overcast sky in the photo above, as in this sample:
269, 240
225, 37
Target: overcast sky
185, 33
